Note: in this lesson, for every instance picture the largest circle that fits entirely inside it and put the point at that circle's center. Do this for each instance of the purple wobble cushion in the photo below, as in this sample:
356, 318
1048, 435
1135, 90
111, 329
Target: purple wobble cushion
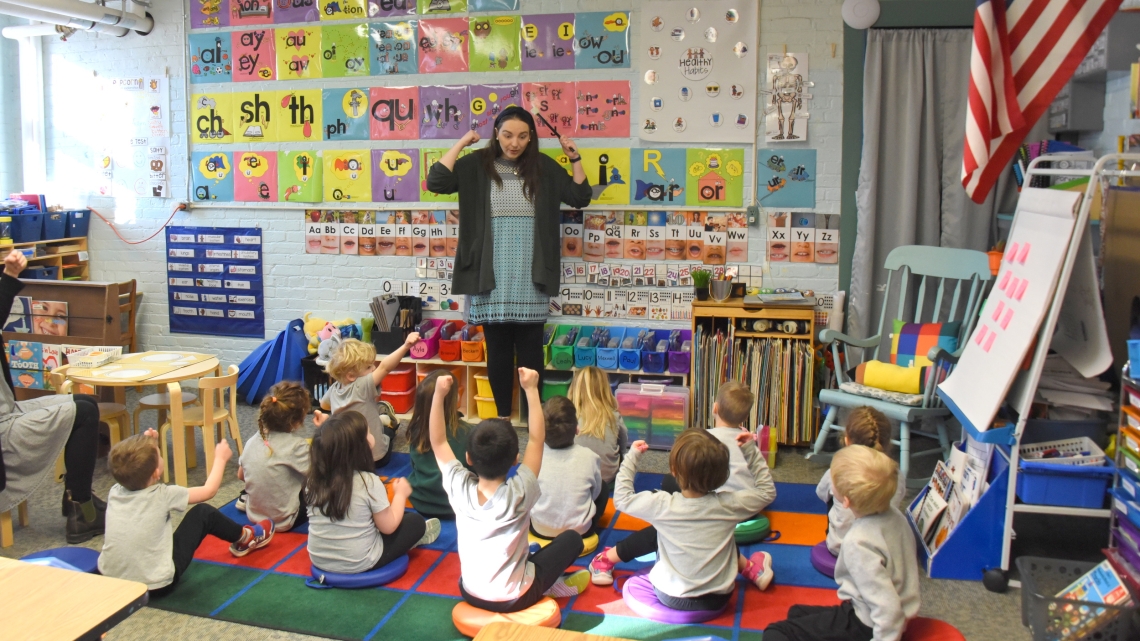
823, 560
638, 594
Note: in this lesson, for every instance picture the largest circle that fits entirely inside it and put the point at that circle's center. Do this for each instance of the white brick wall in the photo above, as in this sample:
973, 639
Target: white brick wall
339, 286
1116, 120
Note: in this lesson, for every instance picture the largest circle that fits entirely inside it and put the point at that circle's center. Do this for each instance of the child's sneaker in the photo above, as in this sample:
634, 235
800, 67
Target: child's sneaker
253, 537
570, 584
431, 533
760, 569
240, 503
601, 569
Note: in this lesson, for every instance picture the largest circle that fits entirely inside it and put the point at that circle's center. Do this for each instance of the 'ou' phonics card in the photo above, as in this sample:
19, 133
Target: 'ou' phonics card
443, 45
395, 175
299, 176
210, 58
555, 100
393, 47
212, 178
603, 108
344, 51
443, 112
495, 43
394, 113
601, 40
486, 101
254, 57
256, 178
345, 114
348, 175
548, 42
298, 52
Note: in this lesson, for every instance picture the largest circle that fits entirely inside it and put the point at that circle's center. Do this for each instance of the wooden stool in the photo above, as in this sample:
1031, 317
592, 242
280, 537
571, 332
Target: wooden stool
161, 403
116, 417
6, 537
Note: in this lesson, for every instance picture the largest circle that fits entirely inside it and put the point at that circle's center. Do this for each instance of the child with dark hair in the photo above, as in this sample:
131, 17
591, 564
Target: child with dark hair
571, 477
353, 527
276, 459
427, 482
492, 513
692, 530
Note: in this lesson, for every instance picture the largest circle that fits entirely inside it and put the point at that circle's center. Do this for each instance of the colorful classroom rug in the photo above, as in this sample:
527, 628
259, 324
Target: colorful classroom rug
267, 588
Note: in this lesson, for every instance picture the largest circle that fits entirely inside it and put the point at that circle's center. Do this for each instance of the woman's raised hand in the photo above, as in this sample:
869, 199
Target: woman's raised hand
568, 146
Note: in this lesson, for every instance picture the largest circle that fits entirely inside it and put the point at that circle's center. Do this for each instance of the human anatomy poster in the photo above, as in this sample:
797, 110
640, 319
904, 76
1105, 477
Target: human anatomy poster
786, 95
697, 68
786, 177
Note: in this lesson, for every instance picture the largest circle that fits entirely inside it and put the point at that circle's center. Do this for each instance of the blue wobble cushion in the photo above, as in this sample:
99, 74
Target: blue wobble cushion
369, 579
638, 594
82, 559
823, 560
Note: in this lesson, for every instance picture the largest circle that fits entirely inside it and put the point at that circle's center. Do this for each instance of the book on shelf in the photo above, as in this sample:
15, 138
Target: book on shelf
940, 481
20, 318
49, 317
930, 513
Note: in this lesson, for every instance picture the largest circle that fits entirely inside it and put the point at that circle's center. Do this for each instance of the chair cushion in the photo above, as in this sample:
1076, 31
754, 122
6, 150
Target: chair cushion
893, 378
589, 543
899, 398
924, 629
823, 560
753, 530
911, 342
469, 619
82, 559
638, 594
369, 579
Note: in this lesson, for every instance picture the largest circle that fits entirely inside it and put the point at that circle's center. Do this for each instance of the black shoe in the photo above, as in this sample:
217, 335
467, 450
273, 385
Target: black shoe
80, 529
100, 504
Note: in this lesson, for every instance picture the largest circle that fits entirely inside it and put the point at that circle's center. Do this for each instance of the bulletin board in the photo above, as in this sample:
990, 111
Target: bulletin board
214, 281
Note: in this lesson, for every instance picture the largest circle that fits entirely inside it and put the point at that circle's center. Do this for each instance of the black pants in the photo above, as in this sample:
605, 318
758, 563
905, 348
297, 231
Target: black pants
202, 519
391, 433
601, 503
302, 514
693, 603
511, 345
82, 448
397, 544
820, 623
549, 564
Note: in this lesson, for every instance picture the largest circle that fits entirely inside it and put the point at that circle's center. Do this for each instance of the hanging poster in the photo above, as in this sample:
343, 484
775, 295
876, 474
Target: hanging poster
395, 114
250, 12
392, 47
607, 170
698, 71
486, 101
548, 42
443, 45
715, 178
253, 55
659, 176
495, 43
255, 180
299, 115
255, 116
428, 157
556, 102
391, 8
209, 13
395, 175
348, 175
289, 11
779, 237
788, 176
133, 134
786, 118
327, 233
603, 108
298, 52
299, 176
344, 51
345, 114
343, 9
443, 112
601, 40
827, 238
428, 7
210, 58
222, 293
493, 5
212, 176
211, 116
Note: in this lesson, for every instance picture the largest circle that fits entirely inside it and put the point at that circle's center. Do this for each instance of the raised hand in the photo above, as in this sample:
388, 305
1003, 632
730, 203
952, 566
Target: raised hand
528, 378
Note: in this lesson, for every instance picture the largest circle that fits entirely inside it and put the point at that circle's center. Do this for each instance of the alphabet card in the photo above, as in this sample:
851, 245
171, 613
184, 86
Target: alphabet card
594, 229
209, 13
601, 40
344, 50
486, 101
827, 238
428, 157
288, 11
655, 237
607, 170
603, 108
392, 48
254, 57
343, 9
555, 100
571, 233
428, 7
443, 45
299, 176
391, 8
250, 12
394, 113
803, 237
212, 177
348, 175
495, 43
658, 176
395, 175
635, 234
788, 176
548, 42
211, 117
715, 178
779, 237
298, 52
443, 112
210, 58
256, 120
345, 114
299, 115
256, 179
737, 232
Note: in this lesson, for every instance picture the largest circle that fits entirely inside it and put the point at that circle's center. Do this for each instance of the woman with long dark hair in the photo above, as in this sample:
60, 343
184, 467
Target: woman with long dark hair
508, 257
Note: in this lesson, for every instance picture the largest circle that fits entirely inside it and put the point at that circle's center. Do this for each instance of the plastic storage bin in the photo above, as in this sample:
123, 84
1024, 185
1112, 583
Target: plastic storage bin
630, 359
1043, 483
27, 227
1051, 618
562, 356
555, 384
452, 350
55, 225
654, 413
653, 361
487, 407
316, 380
584, 356
427, 347
401, 401
607, 357
77, 222
401, 379
483, 385
474, 351
680, 362
548, 338
49, 272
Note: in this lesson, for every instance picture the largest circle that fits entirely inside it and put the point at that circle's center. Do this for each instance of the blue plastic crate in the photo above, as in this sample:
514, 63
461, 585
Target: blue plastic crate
1064, 485
78, 221
55, 225
607, 357
27, 227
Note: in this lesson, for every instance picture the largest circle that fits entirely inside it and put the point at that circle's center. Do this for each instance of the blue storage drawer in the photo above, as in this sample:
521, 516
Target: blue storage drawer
1064, 485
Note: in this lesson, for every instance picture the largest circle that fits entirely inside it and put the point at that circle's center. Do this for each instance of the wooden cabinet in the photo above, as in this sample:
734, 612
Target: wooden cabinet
69, 255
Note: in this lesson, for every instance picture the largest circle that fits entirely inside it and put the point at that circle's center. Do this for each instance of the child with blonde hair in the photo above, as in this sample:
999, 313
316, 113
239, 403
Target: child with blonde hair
877, 570
600, 427
357, 386
869, 427
427, 482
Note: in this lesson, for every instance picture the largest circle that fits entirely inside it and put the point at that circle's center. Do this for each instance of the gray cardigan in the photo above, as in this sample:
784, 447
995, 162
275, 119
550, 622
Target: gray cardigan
474, 259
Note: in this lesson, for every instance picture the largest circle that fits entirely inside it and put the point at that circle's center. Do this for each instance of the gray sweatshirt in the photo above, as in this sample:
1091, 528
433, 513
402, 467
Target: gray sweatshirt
569, 480
877, 571
696, 553
839, 518
739, 476
608, 449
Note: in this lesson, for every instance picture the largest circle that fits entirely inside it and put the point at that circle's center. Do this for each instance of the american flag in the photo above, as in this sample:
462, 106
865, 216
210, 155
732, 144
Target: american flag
1024, 52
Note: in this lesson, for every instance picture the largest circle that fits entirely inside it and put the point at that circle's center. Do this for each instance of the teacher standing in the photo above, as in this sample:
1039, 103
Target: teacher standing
508, 257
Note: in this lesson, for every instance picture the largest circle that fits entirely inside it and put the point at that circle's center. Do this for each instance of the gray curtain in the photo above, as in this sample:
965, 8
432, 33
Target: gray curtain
910, 192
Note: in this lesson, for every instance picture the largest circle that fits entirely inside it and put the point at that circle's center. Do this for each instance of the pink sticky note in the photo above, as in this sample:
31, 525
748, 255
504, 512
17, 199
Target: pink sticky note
989, 342
1012, 286
998, 310
1008, 317
1011, 253
1021, 289
1023, 254
1004, 281
981, 335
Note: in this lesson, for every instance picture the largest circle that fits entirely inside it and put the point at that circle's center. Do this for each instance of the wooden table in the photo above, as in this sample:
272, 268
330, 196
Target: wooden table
505, 631
39, 602
183, 440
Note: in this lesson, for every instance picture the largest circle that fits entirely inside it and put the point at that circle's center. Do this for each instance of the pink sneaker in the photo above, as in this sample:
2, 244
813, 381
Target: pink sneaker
760, 569
601, 569
253, 537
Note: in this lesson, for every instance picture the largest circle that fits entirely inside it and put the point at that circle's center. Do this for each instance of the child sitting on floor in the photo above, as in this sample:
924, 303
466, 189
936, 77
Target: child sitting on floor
138, 544
877, 570
571, 477
865, 426
600, 427
352, 526
492, 513
357, 385
692, 533
428, 496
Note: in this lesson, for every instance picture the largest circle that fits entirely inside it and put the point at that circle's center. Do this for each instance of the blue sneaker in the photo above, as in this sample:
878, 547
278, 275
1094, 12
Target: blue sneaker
253, 537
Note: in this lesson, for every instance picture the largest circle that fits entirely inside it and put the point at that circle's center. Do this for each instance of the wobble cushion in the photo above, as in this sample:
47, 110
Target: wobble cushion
469, 620
82, 559
638, 594
369, 579
589, 543
924, 629
753, 531
823, 560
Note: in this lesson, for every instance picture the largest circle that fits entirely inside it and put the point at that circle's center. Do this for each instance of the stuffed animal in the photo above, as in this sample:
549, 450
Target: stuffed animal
328, 345
314, 327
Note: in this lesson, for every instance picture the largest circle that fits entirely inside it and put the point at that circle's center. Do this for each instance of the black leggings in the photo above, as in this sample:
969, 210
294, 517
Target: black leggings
820, 623
508, 344
397, 544
549, 564
202, 519
82, 448
601, 503
391, 433
302, 513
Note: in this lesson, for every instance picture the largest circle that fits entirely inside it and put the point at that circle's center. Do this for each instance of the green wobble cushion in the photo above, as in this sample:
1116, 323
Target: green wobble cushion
753, 531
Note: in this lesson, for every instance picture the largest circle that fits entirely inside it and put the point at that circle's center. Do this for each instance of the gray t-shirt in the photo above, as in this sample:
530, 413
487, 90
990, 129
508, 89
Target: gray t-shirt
569, 481
274, 475
352, 544
740, 478
493, 546
138, 544
839, 518
878, 571
608, 449
360, 395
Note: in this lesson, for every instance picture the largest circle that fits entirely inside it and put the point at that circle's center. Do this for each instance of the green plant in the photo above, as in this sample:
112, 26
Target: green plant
701, 278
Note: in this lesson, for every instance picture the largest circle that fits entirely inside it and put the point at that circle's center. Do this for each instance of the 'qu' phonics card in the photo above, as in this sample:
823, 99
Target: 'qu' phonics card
394, 113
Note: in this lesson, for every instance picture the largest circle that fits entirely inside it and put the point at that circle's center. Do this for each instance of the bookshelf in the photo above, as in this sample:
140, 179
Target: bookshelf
69, 255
